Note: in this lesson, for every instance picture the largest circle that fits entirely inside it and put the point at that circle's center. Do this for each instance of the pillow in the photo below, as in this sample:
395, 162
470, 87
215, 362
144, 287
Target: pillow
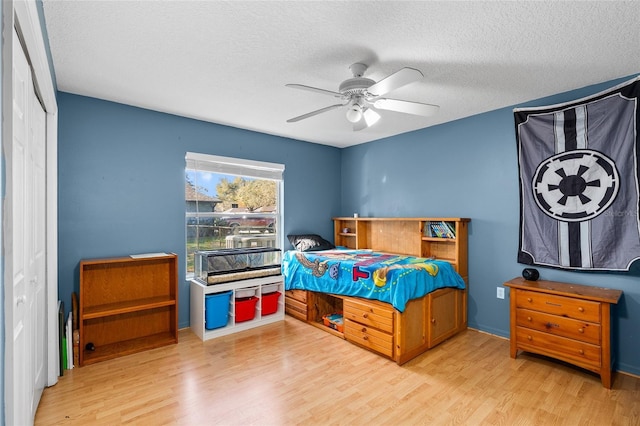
309, 242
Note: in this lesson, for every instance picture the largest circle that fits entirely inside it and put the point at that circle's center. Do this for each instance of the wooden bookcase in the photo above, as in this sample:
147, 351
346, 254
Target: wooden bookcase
127, 305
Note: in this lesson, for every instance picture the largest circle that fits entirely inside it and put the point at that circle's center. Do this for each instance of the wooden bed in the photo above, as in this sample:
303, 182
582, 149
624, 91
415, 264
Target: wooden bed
375, 325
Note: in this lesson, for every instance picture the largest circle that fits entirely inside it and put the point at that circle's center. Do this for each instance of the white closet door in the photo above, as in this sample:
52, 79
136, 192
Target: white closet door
18, 372
25, 247
37, 255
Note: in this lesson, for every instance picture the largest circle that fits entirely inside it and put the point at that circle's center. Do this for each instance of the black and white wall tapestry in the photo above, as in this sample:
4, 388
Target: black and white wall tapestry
579, 191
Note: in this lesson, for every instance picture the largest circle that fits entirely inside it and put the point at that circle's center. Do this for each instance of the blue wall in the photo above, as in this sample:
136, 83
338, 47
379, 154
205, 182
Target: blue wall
468, 168
121, 182
121, 191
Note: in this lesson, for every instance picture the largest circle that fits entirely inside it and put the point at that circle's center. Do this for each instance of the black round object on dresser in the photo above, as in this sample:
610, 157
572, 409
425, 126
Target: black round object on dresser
530, 274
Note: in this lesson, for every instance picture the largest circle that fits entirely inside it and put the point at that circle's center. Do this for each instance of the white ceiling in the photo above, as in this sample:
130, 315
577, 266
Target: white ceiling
228, 62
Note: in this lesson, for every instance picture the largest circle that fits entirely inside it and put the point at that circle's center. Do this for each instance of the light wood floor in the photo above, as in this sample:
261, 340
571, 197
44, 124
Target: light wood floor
293, 373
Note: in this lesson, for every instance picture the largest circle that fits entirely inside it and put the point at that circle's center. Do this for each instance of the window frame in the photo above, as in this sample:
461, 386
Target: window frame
253, 169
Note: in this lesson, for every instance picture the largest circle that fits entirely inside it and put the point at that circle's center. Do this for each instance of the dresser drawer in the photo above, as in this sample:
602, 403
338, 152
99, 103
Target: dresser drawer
369, 337
579, 353
299, 295
370, 314
561, 326
579, 309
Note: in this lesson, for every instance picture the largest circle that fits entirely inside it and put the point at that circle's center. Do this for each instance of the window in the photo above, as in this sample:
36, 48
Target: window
231, 203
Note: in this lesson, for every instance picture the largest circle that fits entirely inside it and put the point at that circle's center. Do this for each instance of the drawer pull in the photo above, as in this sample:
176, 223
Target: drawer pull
581, 309
581, 352
364, 329
365, 337
529, 299
529, 318
529, 338
553, 304
433, 320
581, 330
365, 315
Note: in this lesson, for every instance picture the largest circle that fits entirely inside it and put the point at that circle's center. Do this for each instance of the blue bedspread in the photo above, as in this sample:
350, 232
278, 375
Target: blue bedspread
390, 278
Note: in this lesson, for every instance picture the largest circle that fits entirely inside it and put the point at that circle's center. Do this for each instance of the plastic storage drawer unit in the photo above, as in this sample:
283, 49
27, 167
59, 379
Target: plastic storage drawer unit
216, 309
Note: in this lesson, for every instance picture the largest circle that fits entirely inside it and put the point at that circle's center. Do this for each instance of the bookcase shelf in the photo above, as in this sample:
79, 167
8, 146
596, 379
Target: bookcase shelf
127, 306
127, 347
436, 239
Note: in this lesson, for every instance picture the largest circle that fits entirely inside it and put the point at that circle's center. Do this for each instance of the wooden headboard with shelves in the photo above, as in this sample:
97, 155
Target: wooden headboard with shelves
413, 236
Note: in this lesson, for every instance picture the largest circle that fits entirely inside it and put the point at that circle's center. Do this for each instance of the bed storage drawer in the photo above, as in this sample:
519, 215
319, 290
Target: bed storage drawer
299, 295
369, 323
295, 307
369, 313
369, 337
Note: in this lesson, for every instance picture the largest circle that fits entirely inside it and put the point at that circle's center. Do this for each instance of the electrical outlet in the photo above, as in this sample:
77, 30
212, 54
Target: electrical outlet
500, 292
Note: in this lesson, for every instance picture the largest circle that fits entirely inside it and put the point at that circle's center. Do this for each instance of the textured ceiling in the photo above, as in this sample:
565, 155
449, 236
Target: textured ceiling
228, 62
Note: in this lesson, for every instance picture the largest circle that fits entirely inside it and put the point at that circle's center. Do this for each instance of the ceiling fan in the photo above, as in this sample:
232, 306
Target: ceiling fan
363, 96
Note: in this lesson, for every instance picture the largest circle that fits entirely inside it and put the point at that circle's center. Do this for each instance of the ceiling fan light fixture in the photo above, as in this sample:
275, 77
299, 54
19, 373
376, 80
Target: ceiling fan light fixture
370, 117
354, 113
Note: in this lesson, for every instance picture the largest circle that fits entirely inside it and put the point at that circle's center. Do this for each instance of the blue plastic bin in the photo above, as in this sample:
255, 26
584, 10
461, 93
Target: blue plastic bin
216, 308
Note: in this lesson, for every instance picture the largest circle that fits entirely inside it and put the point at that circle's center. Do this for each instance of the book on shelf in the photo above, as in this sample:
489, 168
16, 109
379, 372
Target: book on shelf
440, 229
452, 229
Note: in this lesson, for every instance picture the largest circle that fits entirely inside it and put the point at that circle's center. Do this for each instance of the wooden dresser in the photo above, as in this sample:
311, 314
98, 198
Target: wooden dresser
569, 322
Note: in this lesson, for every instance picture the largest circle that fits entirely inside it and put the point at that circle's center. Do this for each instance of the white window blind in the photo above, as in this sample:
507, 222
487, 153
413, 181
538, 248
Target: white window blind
234, 166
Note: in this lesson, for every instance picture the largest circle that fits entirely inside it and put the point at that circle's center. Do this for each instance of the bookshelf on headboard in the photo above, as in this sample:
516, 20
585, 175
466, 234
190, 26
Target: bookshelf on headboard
413, 236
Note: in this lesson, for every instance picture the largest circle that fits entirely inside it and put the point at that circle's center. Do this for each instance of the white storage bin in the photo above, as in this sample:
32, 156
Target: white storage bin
270, 288
245, 292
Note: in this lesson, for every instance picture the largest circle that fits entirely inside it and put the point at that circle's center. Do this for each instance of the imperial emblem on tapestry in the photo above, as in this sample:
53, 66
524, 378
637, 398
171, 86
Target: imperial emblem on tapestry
579, 192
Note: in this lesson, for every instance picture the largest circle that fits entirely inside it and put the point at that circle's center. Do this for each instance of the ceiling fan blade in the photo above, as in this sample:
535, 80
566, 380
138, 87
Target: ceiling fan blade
408, 107
369, 118
315, 89
312, 113
395, 81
